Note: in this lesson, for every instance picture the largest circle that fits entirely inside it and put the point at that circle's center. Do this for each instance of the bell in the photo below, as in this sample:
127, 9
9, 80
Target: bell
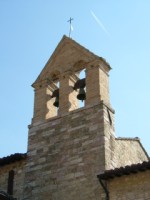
82, 95
56, 103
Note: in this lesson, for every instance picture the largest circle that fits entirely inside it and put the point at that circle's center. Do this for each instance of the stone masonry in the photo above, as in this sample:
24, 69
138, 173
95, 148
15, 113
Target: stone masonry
66, 152
131, 187
19, 169
65, 156
69, 146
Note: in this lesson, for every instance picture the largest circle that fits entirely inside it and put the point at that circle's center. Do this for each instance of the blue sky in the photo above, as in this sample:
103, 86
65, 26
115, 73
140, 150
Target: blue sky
117, 30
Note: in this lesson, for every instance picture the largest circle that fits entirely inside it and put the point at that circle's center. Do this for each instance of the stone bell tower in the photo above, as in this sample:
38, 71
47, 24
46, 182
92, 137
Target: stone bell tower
68, 145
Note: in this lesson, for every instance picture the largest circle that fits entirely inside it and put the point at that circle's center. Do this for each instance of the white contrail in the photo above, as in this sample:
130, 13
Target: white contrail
100, 23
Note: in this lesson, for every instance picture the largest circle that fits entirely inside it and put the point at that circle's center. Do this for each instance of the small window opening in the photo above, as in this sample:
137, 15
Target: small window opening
10, 182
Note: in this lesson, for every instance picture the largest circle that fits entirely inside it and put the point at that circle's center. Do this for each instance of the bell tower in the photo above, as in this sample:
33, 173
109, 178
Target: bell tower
68, 145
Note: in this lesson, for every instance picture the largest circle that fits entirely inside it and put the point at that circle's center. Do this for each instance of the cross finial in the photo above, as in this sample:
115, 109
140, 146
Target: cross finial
71, 27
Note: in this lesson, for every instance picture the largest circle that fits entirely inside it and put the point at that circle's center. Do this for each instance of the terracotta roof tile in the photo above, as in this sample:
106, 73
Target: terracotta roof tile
5, 196
12, 158
127, 170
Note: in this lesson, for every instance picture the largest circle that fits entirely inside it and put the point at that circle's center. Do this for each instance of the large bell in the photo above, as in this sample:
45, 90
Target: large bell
56, 103
82, 95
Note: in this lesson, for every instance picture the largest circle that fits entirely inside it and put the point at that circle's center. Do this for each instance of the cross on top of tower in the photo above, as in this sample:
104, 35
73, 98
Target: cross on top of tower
71, 27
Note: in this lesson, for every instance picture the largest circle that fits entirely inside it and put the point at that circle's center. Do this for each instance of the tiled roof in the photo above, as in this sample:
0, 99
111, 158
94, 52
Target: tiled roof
5, 196
127, 170
12, 158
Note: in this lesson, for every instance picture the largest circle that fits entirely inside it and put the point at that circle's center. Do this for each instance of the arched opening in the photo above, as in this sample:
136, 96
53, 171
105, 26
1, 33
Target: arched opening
52, 102
82, 76
53, 99
80, 87
55, 95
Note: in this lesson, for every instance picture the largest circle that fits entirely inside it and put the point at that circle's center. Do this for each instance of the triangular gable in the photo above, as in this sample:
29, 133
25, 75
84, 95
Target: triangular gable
67, 55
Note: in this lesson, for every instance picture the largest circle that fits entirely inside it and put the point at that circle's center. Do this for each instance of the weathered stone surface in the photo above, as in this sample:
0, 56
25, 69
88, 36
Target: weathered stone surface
133, 186
19, 169
74, 157
68, 147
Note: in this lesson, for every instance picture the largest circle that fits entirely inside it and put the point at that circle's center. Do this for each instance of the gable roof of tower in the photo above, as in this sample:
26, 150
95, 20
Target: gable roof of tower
67, 55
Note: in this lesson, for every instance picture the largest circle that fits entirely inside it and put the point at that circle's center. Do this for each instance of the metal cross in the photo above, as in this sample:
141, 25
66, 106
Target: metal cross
70, 20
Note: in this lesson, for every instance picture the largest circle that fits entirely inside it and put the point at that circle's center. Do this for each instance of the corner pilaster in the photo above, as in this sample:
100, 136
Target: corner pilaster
97, 84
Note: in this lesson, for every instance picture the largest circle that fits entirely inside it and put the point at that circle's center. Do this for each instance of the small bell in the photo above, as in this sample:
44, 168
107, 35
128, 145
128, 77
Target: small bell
82, 95
56, 103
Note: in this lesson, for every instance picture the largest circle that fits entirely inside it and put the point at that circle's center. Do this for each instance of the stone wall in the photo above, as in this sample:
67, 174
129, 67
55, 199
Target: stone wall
129, 151
130, 187
65, 154
69, 147
120, 152
19, 169
123, 151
